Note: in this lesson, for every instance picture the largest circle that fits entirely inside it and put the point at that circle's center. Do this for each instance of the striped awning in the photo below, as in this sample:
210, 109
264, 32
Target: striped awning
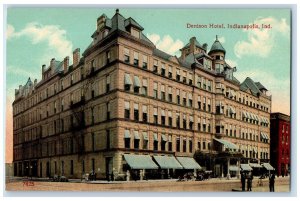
268, 166
167, 162
227, 144
246, 167
140, 161
188, 163
136, 81
128, 79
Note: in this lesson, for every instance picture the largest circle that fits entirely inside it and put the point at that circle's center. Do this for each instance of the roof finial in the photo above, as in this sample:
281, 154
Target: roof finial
216, 37
117, 10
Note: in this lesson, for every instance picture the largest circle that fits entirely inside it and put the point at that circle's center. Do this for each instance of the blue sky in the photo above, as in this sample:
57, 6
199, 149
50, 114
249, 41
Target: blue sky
35, 35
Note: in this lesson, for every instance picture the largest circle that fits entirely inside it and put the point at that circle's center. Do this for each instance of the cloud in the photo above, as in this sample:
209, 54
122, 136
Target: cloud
261, 41
53, 35
222, 39
279, 88
166, 44
231, 63
17, 71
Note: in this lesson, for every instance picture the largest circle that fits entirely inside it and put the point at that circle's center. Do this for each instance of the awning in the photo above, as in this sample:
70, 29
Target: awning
263, 135
227, 144
268, 166
255, 165
136, 135
188, 163
140, 161
231, 110
145, 135
245, 114
164, 138
127, 134
246, 167
167, 162
128, 79
155, 137
136, 81
233, 168
267, 137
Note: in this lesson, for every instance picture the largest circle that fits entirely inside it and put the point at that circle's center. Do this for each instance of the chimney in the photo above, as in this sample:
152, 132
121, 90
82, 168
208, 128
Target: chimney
20, 86
76, 57
43, 68
193, 44
66, 64
52, 62
35, 82
205, 46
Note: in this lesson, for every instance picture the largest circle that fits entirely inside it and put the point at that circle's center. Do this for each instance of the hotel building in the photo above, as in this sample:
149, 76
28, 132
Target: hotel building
125, 108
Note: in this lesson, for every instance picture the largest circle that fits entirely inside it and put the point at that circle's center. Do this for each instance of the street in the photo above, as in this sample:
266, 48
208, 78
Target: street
211, 185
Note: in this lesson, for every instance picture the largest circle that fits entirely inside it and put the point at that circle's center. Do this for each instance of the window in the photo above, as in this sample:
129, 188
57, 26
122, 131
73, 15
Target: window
108, 106
135, 58
204, 145
178, 96
163, 69
135, 33
127, 110
204, 103
178, 75
199, 102
145, 87
190, 100
163, 93
108, 57
190, 145
155, 66
93, 141
163, 142
208, 105
163, 117
184, 77
184, 98
204, 126
155, 119
128, 82
126, 55
145, 141
190, 79
136, 112
145, 62
178, 144
136, 84
184, 145
199, 82
170, 118
107, 139
155, 94
204, 84
170, 146
191, 124
170, 71
107, 83
184, 121
177, 120
136, 139
155, 142
199, 124
145, 113
127, 137
209, 85
170, 97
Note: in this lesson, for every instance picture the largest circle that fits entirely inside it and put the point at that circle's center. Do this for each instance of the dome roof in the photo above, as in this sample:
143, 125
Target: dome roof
217, 47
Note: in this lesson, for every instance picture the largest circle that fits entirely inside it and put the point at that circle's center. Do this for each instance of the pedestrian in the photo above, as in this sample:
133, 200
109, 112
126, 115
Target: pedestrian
249, 182
243, 180
272, 182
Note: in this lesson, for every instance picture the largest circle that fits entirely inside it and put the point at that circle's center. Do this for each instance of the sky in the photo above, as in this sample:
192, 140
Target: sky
36, 35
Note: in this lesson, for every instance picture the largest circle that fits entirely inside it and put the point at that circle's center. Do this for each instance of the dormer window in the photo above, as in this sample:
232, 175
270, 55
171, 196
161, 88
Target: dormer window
135, 33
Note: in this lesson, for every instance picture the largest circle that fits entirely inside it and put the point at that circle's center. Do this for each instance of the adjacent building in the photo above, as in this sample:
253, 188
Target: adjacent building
125, 107
280, 143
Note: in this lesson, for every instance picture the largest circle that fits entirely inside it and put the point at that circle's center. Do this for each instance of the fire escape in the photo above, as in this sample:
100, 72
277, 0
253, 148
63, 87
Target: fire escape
78, 127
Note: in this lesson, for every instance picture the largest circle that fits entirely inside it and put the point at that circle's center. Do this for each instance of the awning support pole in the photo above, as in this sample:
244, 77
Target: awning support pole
238, 169
228, 164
